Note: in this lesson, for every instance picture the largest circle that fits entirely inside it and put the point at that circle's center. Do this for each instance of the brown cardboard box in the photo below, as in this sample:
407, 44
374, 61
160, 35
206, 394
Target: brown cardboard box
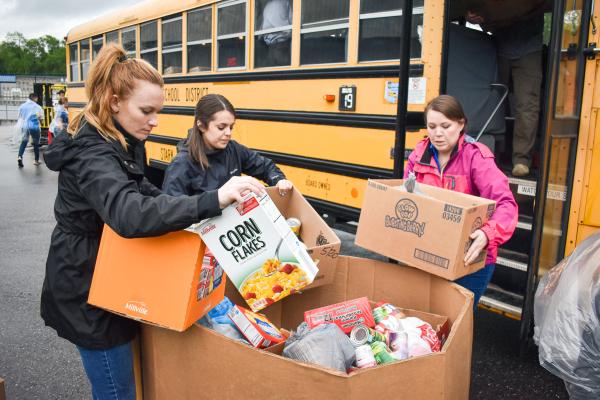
154, 280
430, 233
322, 243
202, 364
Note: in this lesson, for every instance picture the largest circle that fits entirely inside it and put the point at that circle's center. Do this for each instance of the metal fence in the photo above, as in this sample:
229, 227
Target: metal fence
9, 109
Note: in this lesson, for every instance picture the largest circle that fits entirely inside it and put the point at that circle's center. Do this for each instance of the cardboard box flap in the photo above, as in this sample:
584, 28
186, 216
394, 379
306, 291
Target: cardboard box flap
436, 193
294, 205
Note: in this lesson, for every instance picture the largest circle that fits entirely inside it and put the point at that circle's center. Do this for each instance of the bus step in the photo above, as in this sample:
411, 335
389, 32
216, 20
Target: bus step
512, 259
502, 302
523, 190
520, 242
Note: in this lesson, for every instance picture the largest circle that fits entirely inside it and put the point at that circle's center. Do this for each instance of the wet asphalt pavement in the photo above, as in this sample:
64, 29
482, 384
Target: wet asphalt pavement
36, 364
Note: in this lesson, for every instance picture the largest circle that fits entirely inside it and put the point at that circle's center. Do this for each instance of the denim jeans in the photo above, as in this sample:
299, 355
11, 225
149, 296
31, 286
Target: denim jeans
477, 282
35, 139
110, 372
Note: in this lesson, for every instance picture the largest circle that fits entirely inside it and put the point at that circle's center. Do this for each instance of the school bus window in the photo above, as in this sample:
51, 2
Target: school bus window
84, 57
231, 34
128, 41
324, 31
171, 45
74, 62
97, 43
199, 37
273, 33
149, 42
379, 32
112, 37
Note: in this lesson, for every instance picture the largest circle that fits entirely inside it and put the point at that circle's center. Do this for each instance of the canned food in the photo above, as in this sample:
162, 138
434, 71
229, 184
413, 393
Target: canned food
364, 357
379, 313
295, 225
362, 334
381, 353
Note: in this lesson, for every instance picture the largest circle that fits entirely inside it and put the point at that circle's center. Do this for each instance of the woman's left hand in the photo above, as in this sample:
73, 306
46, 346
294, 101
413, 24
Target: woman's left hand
480, 242
284, 186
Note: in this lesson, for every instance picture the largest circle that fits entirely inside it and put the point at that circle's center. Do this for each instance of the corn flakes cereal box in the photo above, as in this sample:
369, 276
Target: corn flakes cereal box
258, 251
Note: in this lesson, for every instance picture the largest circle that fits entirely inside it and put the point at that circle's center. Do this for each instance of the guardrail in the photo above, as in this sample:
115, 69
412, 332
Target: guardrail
9, 109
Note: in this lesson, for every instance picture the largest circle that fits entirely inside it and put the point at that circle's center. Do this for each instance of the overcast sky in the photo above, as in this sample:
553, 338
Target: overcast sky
35, 18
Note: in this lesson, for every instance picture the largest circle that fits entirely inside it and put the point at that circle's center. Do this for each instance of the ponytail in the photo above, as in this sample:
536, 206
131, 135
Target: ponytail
112, 73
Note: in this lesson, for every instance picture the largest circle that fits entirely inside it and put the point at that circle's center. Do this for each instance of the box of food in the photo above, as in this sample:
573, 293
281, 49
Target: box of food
429, 231
170, 359
254, 244
346, 315
257, 328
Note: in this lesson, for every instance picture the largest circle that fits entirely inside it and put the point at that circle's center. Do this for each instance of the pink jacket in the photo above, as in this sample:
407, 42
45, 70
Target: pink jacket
472, 170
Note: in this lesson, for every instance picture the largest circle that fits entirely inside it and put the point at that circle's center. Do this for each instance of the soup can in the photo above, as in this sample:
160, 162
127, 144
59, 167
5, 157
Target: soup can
362, 334
295, 225
364, 357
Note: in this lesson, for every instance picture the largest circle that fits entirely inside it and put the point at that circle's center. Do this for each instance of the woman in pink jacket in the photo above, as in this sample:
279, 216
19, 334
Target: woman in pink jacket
450, 159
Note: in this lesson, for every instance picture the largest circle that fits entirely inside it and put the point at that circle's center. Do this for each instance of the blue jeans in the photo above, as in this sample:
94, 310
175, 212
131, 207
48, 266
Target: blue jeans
35, 139
477, 282
110, 372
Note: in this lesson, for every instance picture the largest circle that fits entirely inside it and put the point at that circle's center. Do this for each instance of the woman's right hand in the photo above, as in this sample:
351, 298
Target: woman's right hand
237, 187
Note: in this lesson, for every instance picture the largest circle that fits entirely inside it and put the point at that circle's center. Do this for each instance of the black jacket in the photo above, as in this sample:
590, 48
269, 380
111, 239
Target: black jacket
184, 176
99, 182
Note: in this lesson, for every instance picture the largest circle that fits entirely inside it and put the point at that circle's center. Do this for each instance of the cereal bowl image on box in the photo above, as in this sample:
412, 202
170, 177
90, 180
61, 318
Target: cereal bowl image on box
261, 255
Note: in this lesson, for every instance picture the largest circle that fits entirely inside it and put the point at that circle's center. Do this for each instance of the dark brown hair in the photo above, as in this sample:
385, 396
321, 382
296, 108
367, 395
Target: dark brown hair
206, 108
449, 106
111, 73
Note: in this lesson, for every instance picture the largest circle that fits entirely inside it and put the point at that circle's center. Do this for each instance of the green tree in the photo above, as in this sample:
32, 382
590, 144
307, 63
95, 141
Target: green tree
44, 55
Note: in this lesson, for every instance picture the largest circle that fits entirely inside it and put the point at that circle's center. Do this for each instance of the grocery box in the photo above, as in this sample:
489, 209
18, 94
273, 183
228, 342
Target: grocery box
164, 280
322, 243
429, 232
256, 328
254, 244
171, 361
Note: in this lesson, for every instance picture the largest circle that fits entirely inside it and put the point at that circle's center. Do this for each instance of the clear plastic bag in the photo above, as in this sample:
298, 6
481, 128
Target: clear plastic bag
567, 324
19, 132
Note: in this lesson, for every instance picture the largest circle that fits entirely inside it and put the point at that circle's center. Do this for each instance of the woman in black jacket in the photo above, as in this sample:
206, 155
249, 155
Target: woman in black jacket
100, 164
209, 157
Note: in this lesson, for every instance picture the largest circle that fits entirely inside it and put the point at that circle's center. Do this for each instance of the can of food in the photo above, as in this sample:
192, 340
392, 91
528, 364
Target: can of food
379, 313
381, 353
359, 335
295, 225
362, 334
364, 357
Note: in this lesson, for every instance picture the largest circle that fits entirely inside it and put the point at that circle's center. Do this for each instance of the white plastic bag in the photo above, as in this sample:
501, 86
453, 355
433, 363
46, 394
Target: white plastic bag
19, 132
567, 324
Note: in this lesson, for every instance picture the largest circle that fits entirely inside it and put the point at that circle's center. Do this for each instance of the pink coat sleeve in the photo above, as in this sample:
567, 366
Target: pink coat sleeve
410, 164
492, 184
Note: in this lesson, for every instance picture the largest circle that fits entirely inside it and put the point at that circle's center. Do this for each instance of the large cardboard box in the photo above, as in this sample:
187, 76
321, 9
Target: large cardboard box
158, 280
202, 364
428, 232
321, 242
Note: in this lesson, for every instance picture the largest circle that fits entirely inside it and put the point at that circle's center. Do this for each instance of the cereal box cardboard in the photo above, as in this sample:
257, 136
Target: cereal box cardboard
263, 258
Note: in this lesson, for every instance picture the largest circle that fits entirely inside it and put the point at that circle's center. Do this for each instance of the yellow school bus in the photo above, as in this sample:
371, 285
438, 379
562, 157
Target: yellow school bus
334, 90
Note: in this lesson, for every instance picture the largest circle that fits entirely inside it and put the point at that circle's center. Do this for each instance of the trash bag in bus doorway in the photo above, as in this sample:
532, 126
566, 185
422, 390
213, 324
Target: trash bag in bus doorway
567, 320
